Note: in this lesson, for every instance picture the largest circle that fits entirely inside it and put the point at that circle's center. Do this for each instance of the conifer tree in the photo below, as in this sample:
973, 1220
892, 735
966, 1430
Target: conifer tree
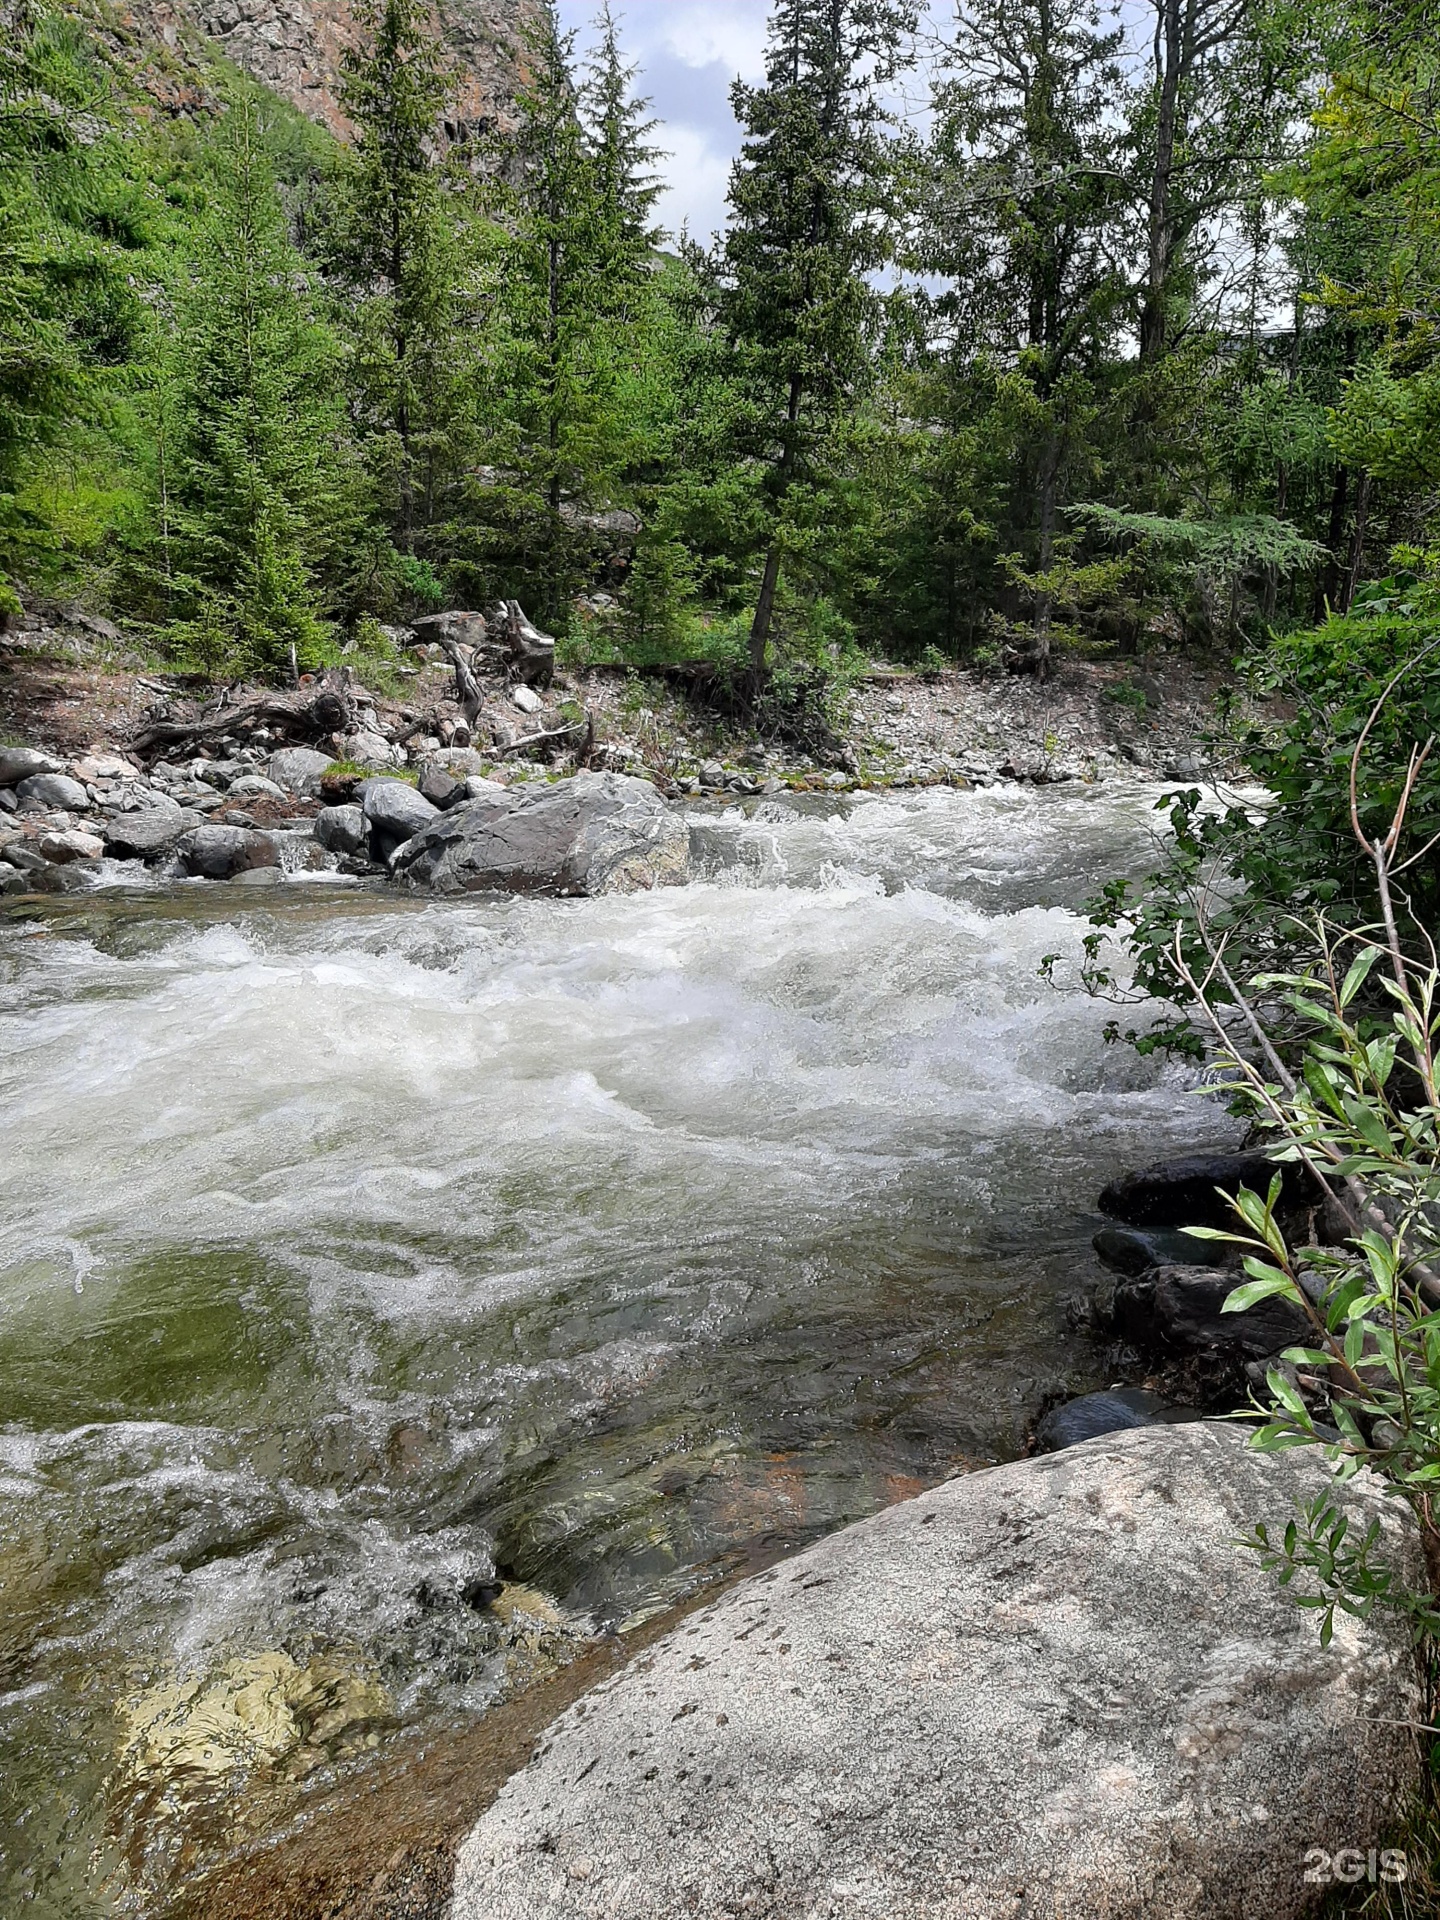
807, 232
398, 246
253, 371
623, 155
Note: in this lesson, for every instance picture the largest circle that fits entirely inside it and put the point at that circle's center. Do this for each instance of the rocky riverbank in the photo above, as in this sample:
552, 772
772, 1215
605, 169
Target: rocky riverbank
105, 760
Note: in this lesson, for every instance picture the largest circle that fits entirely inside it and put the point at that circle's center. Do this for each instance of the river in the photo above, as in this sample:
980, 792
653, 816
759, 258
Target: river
353, 1249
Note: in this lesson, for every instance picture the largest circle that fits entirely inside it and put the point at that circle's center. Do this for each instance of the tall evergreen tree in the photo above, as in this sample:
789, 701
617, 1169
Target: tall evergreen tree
807, 233
1029, 226
398, 246
622, 153
253, 377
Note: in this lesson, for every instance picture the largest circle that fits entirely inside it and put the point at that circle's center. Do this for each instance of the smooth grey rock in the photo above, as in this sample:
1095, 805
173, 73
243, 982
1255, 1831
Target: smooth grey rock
341, 829
440, 788
369, 749
298, 769
259, 877
1058, 1688
595, 833
39, 792
395, 812
1182, 1193
526, 699
458, 762
139, 836
219, 853
462, 629
1114, 1411
255, 786
24, 763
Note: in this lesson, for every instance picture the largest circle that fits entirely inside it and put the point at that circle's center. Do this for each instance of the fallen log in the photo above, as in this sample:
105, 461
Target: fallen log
331, 710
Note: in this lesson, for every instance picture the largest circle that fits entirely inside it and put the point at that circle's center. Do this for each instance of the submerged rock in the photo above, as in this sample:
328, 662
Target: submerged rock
1136, 1250
595, 833
1056, 1688
1114, 1411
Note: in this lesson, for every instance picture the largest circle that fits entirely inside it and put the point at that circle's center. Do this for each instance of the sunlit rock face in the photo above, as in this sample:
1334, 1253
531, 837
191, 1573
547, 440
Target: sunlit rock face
296, 46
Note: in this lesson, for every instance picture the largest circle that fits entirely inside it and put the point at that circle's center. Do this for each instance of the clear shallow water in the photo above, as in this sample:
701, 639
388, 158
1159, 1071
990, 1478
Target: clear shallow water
351, 1248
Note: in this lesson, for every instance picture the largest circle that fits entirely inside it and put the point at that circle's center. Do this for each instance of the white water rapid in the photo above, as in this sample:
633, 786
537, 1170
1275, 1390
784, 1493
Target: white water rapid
351, 1248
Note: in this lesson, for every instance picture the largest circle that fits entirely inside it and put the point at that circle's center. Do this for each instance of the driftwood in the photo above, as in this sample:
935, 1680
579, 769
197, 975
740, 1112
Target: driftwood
330, 710
574, 731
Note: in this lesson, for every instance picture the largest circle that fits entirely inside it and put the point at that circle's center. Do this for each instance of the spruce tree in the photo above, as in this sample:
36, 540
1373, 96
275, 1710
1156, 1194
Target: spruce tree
398, 247
623, 157
253, 378
807, 233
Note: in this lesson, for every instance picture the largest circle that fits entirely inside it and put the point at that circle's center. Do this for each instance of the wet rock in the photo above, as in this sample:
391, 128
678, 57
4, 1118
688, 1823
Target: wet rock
24, 763
1181, 1193
1057, 1688
298, 769
142, 835
40, 792
1177, 1311
342, 829
70, 843
595, 833
394, 812
1115, 1411
219, 853
259, 877
1137, 1250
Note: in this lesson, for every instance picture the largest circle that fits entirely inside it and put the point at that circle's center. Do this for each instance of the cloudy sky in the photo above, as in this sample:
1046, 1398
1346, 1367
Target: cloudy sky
689, 51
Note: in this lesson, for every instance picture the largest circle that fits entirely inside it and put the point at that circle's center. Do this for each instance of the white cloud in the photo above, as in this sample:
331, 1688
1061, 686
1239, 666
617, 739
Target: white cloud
729, 36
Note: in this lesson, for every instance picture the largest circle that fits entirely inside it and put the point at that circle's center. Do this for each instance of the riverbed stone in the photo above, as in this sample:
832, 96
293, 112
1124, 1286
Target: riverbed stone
220, 852
1057, 1688
394, 811
143, 834
1114, 1411
1182, 1193
594, 833
341, 829
24, 763
62, 845
40, 792
1180, 1311
298, 769
1134, 1250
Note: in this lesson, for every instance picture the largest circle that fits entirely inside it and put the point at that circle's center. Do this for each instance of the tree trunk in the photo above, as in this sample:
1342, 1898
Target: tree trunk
1272, 572
1045, 601
1330, 578
1357, 545
1170, 59
765, 605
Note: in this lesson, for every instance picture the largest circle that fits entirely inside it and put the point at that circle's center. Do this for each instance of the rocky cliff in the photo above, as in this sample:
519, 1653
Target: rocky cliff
295, 47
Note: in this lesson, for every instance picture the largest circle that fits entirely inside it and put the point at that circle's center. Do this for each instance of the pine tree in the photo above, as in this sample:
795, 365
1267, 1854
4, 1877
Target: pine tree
1029, 226
575, 300
807, 232
253, 378
398, 246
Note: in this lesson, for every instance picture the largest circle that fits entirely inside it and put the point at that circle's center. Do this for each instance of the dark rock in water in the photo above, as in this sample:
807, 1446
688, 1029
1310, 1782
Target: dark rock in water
1136, 1250
1177, 1310
1181, 1193
1096, 1413
595, 833
481, 1594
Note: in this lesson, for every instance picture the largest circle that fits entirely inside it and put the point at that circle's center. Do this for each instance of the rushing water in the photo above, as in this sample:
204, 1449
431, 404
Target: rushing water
351, 1248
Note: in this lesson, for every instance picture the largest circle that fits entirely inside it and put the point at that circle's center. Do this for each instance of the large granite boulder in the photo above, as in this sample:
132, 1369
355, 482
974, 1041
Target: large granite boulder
1056, 1688
24, 763
595, 833
151, 829
298, 769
